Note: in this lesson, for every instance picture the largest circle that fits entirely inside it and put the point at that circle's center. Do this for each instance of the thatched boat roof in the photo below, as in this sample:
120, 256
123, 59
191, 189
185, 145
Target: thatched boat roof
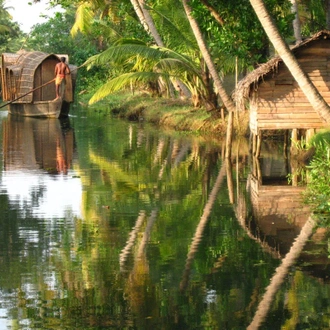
28, 62
250, 81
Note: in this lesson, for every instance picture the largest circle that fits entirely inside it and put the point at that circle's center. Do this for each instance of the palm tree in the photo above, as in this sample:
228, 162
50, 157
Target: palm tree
296, 21
227, 101
281, 273
310, 91
143, 64
147, 21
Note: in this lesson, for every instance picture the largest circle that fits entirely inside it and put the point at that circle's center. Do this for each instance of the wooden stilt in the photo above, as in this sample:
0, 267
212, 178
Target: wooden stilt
294, 139
285, 144
254, 144
309, 134
258, 146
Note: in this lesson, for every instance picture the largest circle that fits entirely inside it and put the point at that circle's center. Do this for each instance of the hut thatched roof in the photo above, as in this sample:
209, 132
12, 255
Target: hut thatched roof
251, 80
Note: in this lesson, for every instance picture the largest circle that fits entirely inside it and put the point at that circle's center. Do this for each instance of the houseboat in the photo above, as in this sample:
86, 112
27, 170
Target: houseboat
28, 85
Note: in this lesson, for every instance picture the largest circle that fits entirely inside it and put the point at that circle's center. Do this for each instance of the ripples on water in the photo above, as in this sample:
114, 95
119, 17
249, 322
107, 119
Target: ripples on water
110, 225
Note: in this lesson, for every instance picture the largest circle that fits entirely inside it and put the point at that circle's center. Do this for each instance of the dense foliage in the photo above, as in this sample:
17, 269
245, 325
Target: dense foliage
54, 37
11, 37
235, 38
318, 171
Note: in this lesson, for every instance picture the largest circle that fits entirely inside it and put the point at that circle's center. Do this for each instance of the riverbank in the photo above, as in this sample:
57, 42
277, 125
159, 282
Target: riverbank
175, 114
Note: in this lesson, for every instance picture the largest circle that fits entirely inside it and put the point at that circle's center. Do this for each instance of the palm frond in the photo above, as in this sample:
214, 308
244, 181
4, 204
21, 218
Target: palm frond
111, 29
123, 52
128, 49
84, 19
185, 39
176, 66
124, 80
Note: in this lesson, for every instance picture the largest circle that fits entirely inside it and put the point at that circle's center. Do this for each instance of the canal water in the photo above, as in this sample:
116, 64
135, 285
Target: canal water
107, 224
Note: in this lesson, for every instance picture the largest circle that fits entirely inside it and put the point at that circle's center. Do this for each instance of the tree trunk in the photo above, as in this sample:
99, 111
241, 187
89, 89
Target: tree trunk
310, 91
213, 12
327, 14
281, 274
201, 226
148, 23
296, 22
227, 101
138, 10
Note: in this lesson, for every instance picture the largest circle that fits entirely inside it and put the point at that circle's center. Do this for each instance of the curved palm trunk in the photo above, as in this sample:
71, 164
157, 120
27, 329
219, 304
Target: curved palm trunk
229, 104
152, 28
310, 91
138, 10
227, 101
148, 23
280, 274
201, 226
213, 12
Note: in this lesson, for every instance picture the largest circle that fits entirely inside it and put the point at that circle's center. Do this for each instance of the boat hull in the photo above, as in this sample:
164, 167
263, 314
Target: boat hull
46, 109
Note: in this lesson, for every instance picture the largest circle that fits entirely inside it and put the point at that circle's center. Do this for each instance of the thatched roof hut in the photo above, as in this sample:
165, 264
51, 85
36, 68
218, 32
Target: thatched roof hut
275, 100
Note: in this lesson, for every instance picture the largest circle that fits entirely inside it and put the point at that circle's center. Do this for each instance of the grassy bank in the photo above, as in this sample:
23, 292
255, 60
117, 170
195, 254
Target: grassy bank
175, 114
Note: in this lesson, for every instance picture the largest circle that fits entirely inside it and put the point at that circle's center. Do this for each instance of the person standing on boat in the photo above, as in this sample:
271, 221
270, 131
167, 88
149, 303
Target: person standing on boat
61, 69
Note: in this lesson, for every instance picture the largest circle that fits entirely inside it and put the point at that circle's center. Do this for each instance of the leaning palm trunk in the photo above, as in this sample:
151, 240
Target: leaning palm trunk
227, 101
132, 237
148, 23
139, 13
310, 91
201, 226
281, 272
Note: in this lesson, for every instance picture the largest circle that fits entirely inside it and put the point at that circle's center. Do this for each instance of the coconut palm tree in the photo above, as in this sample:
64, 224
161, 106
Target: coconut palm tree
310, 91
147, 21
227, 101
144, 63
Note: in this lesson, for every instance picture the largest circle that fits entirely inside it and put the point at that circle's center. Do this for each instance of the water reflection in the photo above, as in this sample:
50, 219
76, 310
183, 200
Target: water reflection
284, 227
277, 206
30, 144
37, 160
156, 231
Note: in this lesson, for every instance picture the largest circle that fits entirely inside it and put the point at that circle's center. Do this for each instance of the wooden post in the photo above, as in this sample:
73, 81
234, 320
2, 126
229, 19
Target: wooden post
258, 145
309, 134
254, 143
294, 139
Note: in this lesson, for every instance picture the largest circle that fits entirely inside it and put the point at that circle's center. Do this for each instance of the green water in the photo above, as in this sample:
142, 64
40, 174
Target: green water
107, 224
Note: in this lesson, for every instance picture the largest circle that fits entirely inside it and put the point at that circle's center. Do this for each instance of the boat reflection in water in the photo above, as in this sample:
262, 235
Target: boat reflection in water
38, 173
